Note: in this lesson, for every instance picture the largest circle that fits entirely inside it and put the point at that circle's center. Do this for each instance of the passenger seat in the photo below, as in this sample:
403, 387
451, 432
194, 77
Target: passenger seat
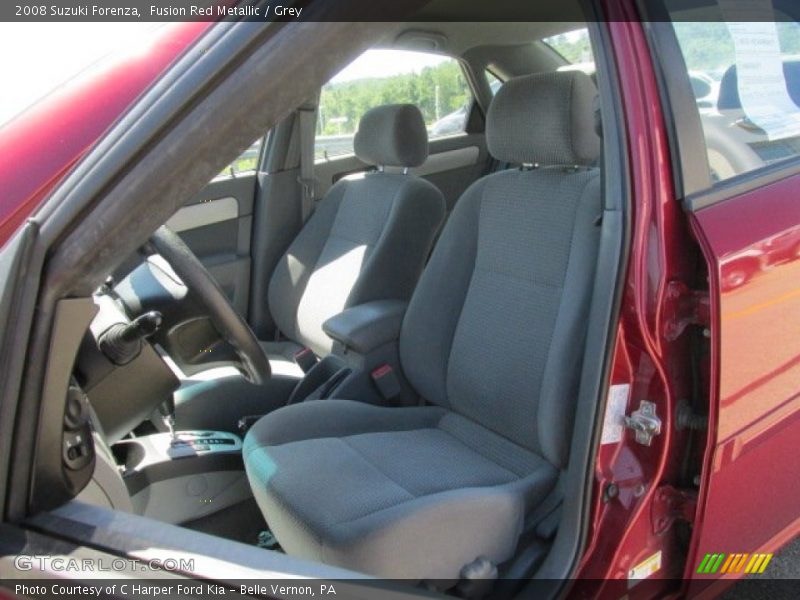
367, 240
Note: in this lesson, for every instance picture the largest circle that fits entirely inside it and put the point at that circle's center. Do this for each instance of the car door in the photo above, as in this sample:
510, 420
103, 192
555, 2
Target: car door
746, 216
217, 225
433, 82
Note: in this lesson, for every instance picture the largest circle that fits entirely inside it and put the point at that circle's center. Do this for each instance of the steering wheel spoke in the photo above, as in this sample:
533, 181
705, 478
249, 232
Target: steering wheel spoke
228, 323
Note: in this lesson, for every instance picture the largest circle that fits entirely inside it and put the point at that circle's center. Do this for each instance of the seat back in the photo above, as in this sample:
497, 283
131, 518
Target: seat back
496, 326
369, 237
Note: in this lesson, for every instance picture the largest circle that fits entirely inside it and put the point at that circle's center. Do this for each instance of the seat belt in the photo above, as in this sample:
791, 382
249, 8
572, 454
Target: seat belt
307, 121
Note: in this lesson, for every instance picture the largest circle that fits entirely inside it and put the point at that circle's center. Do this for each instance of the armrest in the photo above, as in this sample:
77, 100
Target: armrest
365, 327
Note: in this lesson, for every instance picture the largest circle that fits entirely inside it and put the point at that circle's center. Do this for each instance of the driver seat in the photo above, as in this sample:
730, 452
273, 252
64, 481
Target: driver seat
367, 240
492, 340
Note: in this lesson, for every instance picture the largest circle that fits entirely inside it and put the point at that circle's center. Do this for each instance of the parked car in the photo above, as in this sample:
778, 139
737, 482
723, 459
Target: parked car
455, 121
522, 360
450, 123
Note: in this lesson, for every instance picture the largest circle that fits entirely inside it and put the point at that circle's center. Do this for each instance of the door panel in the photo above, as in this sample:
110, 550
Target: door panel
742, 189
204, 214
454, 163
217, 225
753, 482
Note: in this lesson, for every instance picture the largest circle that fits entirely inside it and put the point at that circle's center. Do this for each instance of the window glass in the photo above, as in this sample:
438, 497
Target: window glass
573, 46
494, 82
434, 83
246, 164
745, 76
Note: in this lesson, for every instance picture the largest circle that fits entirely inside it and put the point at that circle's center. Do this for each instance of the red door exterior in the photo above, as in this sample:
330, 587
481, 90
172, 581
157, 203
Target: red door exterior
749, 500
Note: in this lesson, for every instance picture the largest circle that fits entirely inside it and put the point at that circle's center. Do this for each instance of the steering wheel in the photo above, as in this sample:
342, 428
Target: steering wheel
228, 323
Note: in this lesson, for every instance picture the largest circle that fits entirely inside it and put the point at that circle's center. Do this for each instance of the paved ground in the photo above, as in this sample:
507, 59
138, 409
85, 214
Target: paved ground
784, 566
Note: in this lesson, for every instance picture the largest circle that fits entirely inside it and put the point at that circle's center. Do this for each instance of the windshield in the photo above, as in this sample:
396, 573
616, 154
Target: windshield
54, 53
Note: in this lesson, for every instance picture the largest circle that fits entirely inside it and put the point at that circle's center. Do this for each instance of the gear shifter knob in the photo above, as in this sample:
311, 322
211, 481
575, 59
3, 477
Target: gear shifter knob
167, 411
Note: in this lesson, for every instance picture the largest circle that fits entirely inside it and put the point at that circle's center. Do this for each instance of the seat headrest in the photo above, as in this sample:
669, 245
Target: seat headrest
546, 119
393, 135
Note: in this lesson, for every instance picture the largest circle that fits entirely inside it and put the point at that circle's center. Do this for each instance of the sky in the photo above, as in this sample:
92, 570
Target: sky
37, 57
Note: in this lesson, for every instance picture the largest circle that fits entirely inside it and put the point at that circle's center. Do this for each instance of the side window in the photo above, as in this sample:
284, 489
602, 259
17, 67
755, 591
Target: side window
744, 72
494, 82
434, 83
574, 47
246, 164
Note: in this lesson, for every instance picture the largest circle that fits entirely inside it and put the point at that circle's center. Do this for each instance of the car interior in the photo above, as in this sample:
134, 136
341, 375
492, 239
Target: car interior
376, 345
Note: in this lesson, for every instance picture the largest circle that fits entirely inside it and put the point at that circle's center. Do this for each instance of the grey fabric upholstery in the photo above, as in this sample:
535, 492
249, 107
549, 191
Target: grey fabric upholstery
517, 256
545, 119
393, 135
493, 338
461, 490
281, 358
367, 240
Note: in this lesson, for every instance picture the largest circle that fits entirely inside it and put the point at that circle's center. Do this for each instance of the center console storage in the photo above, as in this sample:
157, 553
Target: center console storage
182, 477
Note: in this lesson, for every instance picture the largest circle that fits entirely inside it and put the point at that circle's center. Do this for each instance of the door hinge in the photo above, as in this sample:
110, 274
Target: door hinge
644, 422
684, 307
671, 504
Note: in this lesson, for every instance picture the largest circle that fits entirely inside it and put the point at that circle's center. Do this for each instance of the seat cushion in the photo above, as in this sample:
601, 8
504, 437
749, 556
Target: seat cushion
281, 358
410, 493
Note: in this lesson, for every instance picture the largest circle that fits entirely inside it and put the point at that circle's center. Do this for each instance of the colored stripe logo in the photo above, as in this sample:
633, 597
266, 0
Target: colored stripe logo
734, 563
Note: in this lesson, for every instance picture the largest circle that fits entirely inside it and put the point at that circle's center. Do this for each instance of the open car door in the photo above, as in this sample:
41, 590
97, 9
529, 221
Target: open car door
743, 210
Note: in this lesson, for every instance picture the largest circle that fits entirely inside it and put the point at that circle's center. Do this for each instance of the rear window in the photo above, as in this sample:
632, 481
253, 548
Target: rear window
434, 83
573, 46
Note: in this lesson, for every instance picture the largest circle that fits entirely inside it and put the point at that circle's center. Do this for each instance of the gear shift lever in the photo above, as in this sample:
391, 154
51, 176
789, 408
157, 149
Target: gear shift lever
167, 410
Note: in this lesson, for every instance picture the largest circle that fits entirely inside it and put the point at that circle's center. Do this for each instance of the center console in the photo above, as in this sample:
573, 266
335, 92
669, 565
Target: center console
182, 476
159, 448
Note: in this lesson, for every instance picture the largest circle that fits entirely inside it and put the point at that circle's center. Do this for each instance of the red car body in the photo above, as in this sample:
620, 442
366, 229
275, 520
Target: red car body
754, 421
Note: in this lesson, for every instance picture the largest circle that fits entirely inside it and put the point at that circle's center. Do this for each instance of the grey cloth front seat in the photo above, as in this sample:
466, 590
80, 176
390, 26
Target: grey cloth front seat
492, 340
367, 240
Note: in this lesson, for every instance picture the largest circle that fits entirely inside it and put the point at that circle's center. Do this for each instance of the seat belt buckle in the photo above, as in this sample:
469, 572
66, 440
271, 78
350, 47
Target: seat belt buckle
385, 379
305, 359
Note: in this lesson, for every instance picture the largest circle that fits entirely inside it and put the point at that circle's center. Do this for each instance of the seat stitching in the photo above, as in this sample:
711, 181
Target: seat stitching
458, 440
465, 442
508, 472
469, 487
346, 441
446, 372
374, 466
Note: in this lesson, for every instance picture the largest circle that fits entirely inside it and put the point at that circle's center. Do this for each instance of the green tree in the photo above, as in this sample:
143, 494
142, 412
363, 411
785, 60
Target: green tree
436, 90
